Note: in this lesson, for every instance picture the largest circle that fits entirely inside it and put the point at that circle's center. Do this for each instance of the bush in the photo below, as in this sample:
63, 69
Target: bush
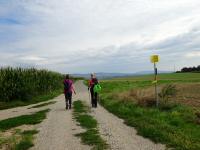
167, 92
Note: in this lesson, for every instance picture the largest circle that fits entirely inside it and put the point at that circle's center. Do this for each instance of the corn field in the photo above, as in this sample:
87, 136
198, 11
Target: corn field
24, 84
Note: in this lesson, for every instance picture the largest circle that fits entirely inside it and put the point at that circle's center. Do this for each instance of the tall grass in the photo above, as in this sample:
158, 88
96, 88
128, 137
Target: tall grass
24, 84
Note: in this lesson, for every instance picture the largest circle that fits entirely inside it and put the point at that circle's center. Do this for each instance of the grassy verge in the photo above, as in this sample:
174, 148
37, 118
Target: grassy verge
11, 137
26, 141
22, 120
44, 104
91, 135
176, 127
37, 99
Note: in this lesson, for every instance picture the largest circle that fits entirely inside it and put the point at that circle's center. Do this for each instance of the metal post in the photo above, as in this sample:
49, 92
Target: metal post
156, 90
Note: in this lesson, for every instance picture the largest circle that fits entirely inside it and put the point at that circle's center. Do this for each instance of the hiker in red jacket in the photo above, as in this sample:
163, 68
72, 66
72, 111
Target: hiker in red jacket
92, 82
68, 90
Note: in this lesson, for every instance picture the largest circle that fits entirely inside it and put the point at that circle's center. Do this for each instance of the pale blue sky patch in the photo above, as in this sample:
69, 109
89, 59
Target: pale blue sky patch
8, 21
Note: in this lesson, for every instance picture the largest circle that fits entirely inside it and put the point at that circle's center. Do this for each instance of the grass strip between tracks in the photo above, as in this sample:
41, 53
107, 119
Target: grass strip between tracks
91, 136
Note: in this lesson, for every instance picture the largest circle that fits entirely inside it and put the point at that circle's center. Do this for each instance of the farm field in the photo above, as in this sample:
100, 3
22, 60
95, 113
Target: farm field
176, 121
166, 76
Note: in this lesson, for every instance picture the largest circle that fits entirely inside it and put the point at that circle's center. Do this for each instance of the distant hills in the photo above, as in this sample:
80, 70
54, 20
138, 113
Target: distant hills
103, 75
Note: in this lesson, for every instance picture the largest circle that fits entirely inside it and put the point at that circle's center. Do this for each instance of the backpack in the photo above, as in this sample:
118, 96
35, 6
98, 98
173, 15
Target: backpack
97, 88
67, 86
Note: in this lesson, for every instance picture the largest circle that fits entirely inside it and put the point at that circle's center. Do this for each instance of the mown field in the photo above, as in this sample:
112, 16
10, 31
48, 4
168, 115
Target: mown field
176, 122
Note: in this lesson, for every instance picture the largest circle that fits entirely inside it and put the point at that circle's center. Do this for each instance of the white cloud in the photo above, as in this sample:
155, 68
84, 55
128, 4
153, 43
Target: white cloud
106, 35
193, 54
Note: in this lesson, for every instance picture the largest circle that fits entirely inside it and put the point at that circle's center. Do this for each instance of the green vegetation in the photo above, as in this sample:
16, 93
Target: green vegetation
24, 84
17, 139
170, 77
22, 120
91, 135
36, 99
44, 104
27, 138
27, 86
167, 91
177, 127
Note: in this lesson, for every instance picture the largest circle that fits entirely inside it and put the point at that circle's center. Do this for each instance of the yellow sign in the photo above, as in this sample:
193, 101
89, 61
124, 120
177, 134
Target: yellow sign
154, 58
154, 82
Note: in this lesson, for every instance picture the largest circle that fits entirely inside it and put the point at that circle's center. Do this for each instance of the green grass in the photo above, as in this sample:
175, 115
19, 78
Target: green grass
22, 120
86, 121
44, 104
79, 107
37, 99
91, 135
168, 76
26, 142
176, 127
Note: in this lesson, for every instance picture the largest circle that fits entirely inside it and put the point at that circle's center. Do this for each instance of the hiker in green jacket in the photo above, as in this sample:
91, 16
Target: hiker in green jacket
92, 82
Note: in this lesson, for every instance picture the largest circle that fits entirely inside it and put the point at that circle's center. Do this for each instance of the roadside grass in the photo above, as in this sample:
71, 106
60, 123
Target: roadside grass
27, 138
176, 127
37, 99
44, 104
91, 136
17, 139
22, 120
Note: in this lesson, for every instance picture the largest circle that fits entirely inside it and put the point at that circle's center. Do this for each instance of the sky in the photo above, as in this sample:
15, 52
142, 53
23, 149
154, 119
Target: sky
81, 36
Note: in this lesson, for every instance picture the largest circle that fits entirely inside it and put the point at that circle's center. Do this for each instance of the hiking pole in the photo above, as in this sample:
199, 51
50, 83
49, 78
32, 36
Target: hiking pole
99, 97
89, 96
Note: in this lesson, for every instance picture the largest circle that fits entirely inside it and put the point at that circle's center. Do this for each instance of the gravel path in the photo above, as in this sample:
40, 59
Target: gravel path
57, 131
118, 135
23, 110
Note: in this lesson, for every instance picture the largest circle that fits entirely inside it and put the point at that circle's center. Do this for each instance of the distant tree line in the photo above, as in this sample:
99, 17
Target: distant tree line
190, 69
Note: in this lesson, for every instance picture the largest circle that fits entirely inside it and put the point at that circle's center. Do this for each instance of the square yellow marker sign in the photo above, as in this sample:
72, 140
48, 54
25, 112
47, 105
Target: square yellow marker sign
154, 58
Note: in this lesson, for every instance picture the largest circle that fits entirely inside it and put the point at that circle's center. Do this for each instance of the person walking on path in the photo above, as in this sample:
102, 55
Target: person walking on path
68, 90
92, 82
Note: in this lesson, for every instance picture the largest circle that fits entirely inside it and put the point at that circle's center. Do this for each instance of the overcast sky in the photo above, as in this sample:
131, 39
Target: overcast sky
79, 36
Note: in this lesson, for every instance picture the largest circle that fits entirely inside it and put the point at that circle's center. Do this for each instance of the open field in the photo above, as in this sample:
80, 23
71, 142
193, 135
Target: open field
168, 76
187, 84
175, 123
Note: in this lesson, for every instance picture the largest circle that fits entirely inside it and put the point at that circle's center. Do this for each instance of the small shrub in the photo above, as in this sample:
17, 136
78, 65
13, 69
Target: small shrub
167, 92
147, 101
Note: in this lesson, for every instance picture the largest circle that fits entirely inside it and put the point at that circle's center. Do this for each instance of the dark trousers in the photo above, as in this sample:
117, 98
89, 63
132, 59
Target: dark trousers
93, 98
68, 100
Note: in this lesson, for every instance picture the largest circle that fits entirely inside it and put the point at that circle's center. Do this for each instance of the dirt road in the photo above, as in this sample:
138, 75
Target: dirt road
118, 135
57, 131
